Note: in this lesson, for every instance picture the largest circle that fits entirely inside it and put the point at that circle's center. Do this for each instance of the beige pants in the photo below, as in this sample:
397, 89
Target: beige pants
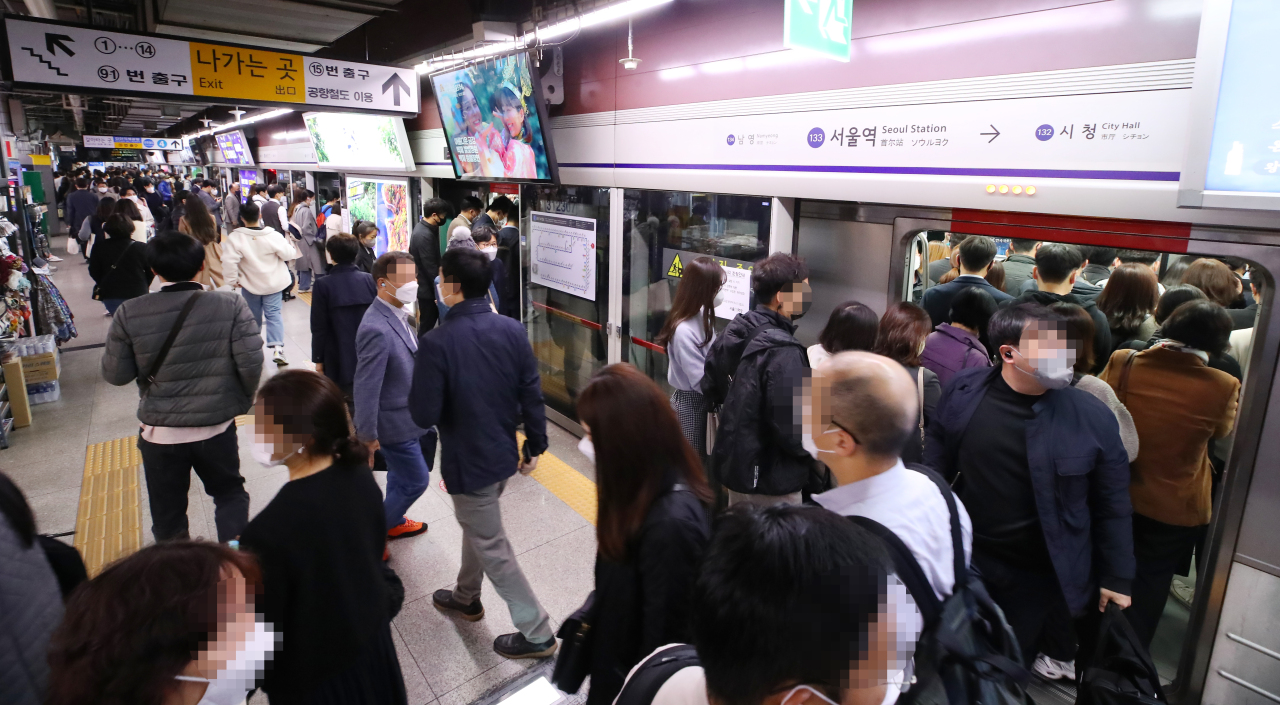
763, 500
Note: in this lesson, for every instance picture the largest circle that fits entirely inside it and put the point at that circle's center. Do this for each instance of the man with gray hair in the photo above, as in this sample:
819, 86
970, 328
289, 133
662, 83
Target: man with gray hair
860, 411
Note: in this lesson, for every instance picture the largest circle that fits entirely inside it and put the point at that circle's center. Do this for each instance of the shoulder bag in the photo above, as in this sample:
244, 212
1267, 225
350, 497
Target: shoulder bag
574, 662
97, 288
145, 384
920, 401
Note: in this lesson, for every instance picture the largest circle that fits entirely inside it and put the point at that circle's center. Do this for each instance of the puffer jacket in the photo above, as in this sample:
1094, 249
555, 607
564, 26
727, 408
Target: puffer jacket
758, 448
30, 609
213, 368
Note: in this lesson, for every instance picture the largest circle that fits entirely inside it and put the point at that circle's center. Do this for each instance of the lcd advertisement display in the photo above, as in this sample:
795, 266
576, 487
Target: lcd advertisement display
495, 121
1245, 153
385, 202
350, 140
235, 150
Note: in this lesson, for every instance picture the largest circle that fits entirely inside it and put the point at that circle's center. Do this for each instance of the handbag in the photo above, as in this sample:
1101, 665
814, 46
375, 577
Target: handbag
1120, 671
97, 288
574, 662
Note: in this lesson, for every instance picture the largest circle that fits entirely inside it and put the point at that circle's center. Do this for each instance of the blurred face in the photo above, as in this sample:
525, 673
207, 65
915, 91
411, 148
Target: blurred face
795, 299
400, 274
1044, 354
235, 624
470, 109
269, 438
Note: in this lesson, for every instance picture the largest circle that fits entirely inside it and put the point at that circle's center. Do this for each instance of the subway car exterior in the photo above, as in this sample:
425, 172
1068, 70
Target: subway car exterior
1053, 120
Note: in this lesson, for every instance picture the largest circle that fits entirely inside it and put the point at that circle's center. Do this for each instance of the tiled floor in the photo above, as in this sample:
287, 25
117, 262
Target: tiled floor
444, 661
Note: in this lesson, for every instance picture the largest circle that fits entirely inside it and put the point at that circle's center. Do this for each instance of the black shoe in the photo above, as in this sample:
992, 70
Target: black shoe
443, 600
516, 646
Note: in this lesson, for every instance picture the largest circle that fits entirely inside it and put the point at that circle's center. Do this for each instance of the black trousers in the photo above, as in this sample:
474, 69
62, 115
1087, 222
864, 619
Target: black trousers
428, 312
168, 472
1161, 552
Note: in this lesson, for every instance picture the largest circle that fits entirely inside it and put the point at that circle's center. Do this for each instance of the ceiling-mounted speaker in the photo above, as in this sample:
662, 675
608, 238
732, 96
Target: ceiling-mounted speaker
553, 79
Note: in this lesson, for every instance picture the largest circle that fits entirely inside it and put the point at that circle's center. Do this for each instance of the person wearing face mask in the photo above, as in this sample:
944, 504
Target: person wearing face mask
688, 334
753, 372
208, 193
792, 606
128, 634
255, 262
320, 543
462, 239
424, 245
475, 378
231, 208
1057, 268
1045, 476
486, 238
271, 206
153, 199
385, 348
366, 233
190, 390
311, 264
653, 525
901, 337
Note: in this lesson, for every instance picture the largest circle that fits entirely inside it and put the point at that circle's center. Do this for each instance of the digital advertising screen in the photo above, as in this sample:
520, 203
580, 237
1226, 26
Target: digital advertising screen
350, 140
385, 202
495, 121
235, 150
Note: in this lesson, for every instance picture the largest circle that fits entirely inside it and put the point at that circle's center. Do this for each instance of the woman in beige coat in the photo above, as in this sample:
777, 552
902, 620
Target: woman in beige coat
198, 222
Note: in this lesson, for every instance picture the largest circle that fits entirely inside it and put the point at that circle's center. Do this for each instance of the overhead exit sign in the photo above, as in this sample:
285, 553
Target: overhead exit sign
820, 26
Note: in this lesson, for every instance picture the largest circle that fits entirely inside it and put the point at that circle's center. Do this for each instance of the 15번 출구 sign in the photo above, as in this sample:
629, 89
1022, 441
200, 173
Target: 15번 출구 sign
43, 53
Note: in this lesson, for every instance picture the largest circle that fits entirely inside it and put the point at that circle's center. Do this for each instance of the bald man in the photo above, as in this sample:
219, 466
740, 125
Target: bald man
860, 412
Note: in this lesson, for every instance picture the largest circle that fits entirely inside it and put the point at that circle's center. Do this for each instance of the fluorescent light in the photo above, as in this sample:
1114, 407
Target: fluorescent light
291, 135
238, 123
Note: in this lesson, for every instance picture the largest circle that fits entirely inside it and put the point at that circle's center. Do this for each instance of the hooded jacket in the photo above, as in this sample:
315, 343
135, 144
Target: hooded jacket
758, 380
1101, 328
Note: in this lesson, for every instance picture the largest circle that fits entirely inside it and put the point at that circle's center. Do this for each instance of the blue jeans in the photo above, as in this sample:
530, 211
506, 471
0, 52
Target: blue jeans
408, 476
267, 305
113, 304
304, 280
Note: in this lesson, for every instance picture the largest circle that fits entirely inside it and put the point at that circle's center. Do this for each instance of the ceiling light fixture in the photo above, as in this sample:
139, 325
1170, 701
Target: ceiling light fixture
239, 123
631, 62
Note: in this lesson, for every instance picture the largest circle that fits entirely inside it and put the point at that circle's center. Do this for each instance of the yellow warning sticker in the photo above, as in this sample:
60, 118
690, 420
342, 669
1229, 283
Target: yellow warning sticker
251, 74
676, 269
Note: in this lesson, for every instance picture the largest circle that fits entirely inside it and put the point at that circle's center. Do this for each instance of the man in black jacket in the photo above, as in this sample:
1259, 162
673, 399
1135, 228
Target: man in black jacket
424, 245
756, 370
1057, 266
977, 252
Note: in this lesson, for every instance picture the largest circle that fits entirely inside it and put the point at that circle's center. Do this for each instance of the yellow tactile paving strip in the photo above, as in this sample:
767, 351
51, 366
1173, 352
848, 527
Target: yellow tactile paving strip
572, 487
304, 295
109, 520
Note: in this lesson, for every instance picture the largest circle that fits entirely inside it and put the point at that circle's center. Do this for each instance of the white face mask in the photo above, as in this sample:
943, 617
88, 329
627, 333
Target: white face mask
262, 453
1053, 372
151, 189
490, 252
719, 300
102, 189
407, 293
232, 684
587, 448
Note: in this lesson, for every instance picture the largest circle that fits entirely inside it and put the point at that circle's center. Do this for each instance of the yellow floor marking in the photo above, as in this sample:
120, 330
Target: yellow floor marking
572, 487
304, 295
244, 420
109, 520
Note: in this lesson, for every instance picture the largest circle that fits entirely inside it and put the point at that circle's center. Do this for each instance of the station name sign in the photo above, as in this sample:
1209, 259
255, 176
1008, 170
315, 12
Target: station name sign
109, 142
45, 53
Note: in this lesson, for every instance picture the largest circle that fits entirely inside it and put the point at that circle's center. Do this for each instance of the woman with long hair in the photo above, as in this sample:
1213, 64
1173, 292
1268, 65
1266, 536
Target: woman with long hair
687, 334
324, 583
171, 624
1223, 287
197, 221
901, 337
1128, 300
852, 326
129, 209
653, 524
91, 230
119, 265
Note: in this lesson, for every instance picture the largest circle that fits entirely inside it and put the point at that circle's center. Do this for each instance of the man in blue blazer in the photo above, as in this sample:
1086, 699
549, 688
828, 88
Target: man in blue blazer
385, 346
976, 255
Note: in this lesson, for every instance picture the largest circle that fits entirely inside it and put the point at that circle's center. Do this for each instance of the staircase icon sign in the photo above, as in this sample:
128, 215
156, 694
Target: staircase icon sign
43, 60
676, 269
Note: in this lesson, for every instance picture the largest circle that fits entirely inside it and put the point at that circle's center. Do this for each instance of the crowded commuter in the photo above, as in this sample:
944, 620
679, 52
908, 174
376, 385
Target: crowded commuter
338, 304
485, 237
862, 414
1079, 331
1057, 266
208, 194
1098, 262
258, 195
231, 208
197, 358
1146, 258
129, 209
272, 207
995, 275
463, 239
1018, 263
852, 326
424, 245
385, 345
653, 523
940, 266
324, 586
976, 254
687, 335
901, 337
469, 209
172, 624
198, 223
164, 186
154, 201
1129, 298
103, 191
91, 230
148, 218
1242, 339
310, 264
1179, 404
119, 265
81, 203
754, 371
494, 215
254, 261
366, 234
1223, 287
509, 253
30, 601
475, 377
1042, 470
332, 216
1172, 298
959, 345
793, 605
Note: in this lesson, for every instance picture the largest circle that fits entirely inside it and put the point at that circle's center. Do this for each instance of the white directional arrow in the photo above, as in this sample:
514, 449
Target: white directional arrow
804, 5
831, 22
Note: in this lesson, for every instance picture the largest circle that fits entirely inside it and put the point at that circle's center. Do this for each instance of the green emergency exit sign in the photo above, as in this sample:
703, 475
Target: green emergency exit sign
820, 26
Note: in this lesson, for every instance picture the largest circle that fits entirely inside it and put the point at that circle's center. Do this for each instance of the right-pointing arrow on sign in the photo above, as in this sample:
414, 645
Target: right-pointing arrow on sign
395, 84
994, 133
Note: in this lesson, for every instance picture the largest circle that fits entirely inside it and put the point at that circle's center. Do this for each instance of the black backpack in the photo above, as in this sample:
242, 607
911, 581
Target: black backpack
643, 685
967, 652
1120, 670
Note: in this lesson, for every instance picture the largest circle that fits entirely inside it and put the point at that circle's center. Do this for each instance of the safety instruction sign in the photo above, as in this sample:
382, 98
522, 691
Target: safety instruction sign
737, 283
49, 53
563, 248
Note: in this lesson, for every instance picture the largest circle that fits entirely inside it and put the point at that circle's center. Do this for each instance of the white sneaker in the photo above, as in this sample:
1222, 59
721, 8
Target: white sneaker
277, 356
1052, 669
1068, 668
1182, 592
54, 258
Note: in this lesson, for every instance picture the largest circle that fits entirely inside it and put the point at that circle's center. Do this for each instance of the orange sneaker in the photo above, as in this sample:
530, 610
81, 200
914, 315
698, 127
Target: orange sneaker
407, 529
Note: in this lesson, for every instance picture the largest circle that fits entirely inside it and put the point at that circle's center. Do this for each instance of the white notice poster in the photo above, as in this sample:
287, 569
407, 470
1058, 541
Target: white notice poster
737, 292
563, 249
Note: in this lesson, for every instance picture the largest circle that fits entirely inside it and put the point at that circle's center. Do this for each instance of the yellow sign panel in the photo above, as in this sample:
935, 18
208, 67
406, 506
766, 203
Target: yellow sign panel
251, 74
40, 160
676, 269
126, 143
